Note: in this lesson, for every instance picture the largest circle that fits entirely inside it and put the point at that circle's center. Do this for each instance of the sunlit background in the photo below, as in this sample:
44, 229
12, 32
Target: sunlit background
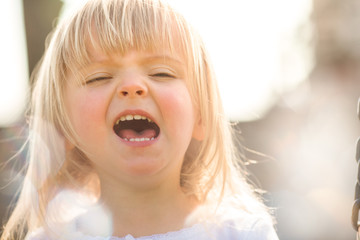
289, 74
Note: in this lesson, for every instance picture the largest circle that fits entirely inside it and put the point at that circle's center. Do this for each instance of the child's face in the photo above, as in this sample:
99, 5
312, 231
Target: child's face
147, 92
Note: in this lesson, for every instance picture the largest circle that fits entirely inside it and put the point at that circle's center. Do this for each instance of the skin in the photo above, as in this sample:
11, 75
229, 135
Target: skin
140, 183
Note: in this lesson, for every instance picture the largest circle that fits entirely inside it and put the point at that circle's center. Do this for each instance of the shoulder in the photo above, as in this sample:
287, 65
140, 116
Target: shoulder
230, 223
38, 234
246, 227
41, 234
231, 220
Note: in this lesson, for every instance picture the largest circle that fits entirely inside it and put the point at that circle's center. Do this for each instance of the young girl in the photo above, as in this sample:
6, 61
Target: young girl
128, 136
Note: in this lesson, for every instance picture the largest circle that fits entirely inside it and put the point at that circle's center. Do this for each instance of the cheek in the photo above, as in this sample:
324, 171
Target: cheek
87, 113
178, 110
177, 103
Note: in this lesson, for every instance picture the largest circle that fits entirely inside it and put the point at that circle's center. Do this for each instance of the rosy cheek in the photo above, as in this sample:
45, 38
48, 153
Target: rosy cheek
176, 104
88, 112
177, 109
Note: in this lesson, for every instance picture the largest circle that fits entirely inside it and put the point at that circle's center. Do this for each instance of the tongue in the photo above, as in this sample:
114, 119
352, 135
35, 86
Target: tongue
128, 133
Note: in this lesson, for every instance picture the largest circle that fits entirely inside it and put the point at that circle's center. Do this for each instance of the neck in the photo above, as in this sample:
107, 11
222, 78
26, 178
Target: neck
142, 212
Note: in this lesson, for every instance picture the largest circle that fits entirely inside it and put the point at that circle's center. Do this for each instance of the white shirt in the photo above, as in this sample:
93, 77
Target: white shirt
252, 229
78, 221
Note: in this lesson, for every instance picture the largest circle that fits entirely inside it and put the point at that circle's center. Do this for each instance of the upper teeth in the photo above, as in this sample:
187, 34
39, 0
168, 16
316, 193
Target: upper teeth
132, 117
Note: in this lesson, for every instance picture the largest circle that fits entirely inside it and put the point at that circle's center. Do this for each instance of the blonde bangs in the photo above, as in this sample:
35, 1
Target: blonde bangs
121, 26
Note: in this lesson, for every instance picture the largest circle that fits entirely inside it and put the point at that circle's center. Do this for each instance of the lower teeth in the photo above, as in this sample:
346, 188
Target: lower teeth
138, 139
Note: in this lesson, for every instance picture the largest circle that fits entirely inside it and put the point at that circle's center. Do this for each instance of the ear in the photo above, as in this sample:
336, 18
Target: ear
199, 130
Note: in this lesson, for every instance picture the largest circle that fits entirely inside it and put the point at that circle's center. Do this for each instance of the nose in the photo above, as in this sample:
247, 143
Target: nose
132, 87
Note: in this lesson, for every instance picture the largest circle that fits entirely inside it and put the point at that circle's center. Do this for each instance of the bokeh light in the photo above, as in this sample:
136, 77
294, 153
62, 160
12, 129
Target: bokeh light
13, 63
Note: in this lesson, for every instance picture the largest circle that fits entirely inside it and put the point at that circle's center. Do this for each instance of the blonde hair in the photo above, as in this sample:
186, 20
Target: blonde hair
212, 168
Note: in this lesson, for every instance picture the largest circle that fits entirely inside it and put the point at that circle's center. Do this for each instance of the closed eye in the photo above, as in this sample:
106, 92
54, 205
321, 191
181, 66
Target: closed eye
162, 75
98, 79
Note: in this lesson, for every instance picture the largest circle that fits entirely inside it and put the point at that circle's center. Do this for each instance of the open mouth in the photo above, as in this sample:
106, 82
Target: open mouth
136, 128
